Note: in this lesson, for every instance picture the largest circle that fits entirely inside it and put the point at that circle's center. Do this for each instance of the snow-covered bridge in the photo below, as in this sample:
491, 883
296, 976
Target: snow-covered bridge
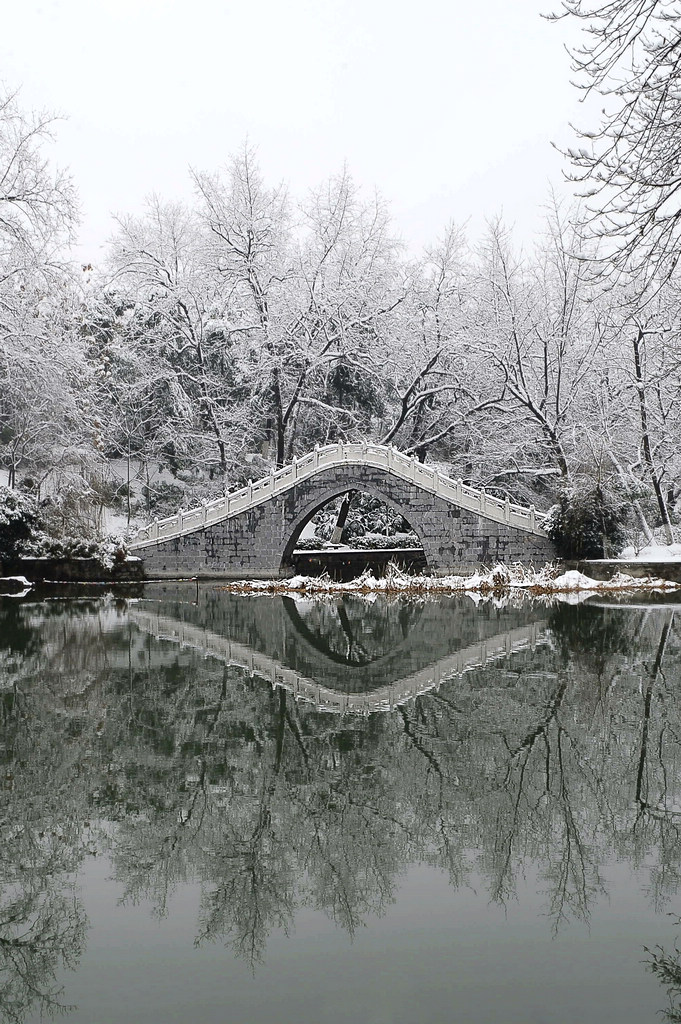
252, 532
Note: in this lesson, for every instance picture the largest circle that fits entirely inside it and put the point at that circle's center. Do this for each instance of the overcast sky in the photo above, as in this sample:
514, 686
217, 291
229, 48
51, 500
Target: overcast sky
448, 108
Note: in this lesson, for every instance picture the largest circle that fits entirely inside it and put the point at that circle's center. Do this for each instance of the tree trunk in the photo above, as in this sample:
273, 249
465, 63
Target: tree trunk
645, 439
128, 483
337, 535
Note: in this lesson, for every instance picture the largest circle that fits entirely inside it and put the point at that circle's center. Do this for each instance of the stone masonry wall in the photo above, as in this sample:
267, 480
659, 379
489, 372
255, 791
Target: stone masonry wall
255, 543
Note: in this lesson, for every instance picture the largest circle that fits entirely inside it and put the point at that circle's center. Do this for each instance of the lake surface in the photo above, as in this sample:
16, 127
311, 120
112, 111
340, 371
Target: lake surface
221, 808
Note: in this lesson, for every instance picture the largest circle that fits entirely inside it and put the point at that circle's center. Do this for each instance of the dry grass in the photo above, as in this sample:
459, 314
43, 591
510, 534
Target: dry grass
501, 579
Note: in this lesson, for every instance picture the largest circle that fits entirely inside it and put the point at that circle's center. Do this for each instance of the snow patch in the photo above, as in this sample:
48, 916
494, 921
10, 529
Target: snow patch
652, 553
19, 588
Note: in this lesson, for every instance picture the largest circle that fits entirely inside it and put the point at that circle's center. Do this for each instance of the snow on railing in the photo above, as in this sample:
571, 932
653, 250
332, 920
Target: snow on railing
329, 457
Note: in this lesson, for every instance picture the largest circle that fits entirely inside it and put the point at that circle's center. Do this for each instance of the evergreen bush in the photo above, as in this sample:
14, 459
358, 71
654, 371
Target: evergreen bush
18, 518
589, 521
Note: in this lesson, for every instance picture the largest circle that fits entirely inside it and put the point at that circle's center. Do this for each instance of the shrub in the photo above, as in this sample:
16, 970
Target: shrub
380, 542
18, 518
107, 551
164, 499
310, 543
589, 521
28, 528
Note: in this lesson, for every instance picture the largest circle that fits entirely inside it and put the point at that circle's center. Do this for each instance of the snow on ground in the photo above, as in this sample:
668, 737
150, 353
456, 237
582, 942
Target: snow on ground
652, 553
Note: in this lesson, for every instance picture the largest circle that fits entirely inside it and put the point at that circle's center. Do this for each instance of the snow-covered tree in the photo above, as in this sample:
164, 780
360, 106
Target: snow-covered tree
540, 332
172, 335
43, 422
630, 164
309, 298
427, 367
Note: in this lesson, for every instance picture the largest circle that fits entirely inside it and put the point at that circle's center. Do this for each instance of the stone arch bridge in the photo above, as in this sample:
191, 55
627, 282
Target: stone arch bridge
251, 533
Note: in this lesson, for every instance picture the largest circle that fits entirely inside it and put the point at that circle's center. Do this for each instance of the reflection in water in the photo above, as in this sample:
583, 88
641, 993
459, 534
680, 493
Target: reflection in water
342, 630
548, 739
666, 966
413, 647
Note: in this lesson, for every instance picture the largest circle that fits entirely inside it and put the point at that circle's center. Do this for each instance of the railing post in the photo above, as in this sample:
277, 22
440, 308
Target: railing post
250, 490
507, 510
154, 530
316, 456
533, 517
481, 499
437, 481
180, 515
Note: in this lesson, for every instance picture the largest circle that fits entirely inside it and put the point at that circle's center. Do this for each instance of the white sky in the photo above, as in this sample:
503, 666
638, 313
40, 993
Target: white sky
446, 106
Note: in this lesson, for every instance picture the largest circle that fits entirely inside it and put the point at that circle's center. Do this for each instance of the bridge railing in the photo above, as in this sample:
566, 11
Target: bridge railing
373, 455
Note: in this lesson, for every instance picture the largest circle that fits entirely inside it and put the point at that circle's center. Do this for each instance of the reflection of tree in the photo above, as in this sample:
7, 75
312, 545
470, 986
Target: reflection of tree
41, 931
551, 760
346, 631
43, 814
251, 892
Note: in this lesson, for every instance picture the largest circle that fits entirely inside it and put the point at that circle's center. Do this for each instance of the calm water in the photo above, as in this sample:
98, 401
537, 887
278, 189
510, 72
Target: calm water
244, 809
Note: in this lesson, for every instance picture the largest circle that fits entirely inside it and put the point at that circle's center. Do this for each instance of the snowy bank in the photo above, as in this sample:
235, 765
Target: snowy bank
500, 578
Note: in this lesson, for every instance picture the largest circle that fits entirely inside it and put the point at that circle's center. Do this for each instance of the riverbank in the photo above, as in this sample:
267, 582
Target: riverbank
73, 570
547, 580
575, 577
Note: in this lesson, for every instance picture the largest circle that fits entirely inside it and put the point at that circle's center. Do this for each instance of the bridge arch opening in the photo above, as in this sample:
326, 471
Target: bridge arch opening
347, 531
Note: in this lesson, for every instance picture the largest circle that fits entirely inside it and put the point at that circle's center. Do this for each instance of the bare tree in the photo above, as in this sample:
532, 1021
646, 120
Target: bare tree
540, 334
630, 165
41, 367
310, 301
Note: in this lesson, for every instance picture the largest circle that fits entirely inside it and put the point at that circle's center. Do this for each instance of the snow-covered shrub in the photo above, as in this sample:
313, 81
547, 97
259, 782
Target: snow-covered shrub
33, 529
106, 551
74, 508
367, 515
165, 499
18, 518
310, 543
589, 521
381, 541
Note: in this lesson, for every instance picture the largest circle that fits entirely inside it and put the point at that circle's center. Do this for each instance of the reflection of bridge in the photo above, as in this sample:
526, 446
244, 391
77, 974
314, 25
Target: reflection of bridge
252, 532
383, 698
